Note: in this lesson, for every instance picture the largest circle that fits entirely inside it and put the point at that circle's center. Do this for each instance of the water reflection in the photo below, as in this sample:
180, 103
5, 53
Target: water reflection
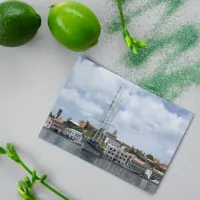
99, 162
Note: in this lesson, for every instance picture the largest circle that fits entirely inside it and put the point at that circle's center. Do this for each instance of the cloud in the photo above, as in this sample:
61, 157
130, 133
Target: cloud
170, 152
149, 113
96, 80
86, 105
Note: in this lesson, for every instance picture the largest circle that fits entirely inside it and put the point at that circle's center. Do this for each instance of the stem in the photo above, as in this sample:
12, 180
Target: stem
44, 183
121, 14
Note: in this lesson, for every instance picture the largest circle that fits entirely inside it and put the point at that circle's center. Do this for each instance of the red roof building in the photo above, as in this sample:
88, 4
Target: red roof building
165, 166
111, 135
58, 123
156, 160
83, 124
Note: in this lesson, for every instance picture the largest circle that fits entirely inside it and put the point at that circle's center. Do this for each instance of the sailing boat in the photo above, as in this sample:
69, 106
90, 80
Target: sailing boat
93, 145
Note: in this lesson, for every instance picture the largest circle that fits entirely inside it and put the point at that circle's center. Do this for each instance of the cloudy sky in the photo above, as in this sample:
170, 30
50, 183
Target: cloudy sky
142, 119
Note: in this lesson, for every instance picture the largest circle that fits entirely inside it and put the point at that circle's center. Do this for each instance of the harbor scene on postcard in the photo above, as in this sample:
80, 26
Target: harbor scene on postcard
116, 125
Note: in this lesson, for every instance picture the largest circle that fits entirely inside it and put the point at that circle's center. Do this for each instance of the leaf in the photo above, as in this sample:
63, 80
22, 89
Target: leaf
20, 184
12, 153
25, 189
128, 41
43, 178
34, 176
2, 150
11, 148
13, 157
140, 43
135, 51
23, 186
22, 193
28, 182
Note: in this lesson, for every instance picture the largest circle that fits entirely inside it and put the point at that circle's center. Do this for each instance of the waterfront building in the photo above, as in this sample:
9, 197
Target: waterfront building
57, 125
157, 175
142, 168
73, 134
125, 147
83, 124
149, 160
148, 173
164, 166
137, 166
111, 151
73, 122
54, 124
132, 156
111, 135
121, 157
48, 122
86, 125
116, 154
111, 141
156, 160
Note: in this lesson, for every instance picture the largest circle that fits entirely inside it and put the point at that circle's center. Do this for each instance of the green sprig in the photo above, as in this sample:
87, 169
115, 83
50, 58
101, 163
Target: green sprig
25, 190
132, 43
25, 186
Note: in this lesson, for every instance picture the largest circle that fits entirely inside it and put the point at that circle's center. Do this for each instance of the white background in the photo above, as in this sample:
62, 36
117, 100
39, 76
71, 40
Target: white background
31, 77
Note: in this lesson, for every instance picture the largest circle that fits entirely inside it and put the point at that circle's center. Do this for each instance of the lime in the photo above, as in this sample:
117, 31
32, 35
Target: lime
74, 25
18, 23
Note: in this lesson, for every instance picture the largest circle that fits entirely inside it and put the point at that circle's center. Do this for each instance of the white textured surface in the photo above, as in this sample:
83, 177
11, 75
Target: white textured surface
30, 79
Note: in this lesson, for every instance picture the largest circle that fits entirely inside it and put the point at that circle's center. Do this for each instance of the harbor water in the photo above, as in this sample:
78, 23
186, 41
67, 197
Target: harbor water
102, 163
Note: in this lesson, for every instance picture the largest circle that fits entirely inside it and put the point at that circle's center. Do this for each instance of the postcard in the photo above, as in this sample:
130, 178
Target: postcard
116, 125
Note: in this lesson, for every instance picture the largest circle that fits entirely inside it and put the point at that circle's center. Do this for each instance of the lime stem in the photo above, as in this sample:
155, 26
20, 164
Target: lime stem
44, 183
51, 6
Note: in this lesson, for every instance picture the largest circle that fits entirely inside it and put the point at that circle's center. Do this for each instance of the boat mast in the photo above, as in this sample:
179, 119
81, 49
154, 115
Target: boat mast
117, 102
102, 121
109, 114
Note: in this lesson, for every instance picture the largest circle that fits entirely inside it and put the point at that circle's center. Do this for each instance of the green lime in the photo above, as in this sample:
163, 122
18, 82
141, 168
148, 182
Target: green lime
18, 23
74, 25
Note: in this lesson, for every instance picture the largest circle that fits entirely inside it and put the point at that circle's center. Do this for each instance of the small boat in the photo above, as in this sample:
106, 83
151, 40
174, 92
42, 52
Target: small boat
92, 147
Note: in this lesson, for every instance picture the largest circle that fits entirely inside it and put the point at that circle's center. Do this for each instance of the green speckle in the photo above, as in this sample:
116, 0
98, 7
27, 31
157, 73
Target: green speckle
124, 2
172, 5
170, 85
185, 38
115, 25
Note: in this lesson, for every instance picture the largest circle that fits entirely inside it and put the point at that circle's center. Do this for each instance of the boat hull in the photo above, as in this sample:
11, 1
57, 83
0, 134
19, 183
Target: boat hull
87, 146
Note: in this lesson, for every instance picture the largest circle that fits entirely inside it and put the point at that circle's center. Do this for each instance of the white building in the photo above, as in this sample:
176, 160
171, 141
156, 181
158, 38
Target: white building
111, 151
116, 154
157, 175
75, 123
112, 142
148, 173
73, 134
137, 166
122, 156
132, 156
48, 122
